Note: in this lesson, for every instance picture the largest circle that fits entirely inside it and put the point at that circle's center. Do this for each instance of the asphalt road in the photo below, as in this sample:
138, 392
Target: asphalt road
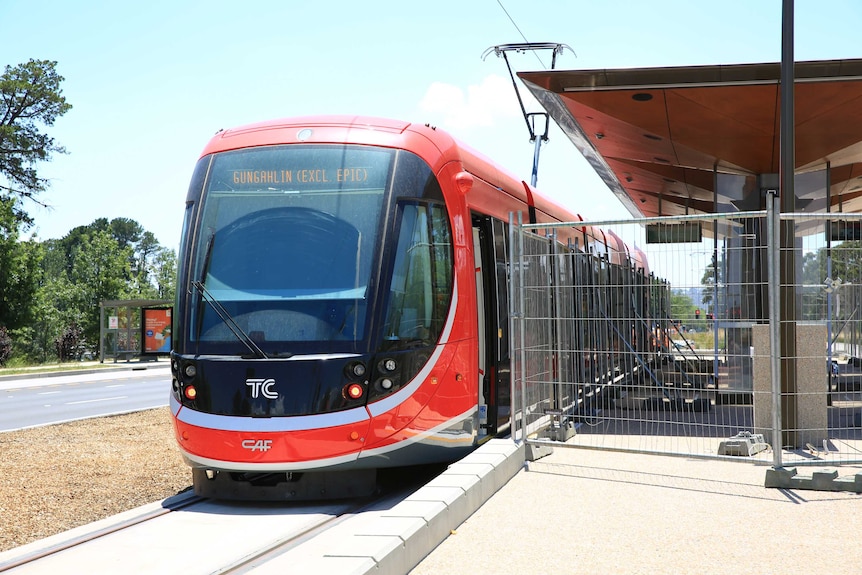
48, 400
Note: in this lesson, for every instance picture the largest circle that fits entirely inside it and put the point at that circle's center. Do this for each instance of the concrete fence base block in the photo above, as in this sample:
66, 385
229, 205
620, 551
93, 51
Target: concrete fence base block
534, 452
787, 478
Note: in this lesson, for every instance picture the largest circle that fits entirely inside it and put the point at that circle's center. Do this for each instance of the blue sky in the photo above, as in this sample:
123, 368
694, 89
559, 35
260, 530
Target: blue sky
152, 81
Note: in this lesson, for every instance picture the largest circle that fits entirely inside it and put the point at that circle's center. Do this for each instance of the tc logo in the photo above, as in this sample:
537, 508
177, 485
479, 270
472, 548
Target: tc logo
260, 386
257, 444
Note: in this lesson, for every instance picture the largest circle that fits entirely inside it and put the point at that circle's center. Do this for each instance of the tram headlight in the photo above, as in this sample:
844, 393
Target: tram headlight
190, 370
388, 365
385, 385
358, 369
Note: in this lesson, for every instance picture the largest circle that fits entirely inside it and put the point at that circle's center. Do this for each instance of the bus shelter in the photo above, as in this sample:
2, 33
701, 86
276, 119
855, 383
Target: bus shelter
134, 329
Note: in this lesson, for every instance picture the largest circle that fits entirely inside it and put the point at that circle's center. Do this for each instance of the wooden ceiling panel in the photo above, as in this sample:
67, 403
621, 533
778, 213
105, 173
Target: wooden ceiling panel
615, 137
744, 139
667, 129
828, 120
649, 116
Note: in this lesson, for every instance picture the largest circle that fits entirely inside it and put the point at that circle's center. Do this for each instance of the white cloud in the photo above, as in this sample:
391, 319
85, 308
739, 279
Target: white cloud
481, 105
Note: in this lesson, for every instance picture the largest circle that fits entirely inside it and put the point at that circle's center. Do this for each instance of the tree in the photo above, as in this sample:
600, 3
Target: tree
846, 262
140, 246
682, 309
20, 271
5, 345
105, 260
165, 273
30, 95
70, 344
146, 249
713, 276
811, 290
99, 272
53, 310
126, 231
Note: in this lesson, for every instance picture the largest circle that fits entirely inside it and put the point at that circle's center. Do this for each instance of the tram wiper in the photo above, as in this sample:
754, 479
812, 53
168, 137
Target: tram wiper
225, 316
206, 296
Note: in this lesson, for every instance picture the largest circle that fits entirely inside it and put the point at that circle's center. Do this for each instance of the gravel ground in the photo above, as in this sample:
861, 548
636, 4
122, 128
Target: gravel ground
58, 477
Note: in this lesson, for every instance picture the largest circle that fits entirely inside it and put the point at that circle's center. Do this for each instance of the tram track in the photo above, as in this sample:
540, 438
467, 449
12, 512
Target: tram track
190, 534
281, 547
172, 504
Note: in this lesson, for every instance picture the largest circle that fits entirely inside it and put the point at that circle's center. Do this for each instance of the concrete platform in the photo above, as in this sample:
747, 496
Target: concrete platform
392, 541
591, 511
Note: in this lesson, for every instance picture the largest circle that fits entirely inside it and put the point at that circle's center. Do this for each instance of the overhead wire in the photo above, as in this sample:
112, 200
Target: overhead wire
512, 20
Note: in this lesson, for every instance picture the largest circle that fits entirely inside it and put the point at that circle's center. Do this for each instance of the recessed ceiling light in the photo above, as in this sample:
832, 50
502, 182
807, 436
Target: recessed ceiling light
642, 97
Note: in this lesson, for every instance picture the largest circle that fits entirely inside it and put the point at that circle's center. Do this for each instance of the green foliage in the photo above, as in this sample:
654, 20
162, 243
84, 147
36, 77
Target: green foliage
127, 232
20, 271
54, 308
846, 269
846, 258
713, 275
30, 97
71, 343
60, 283
681, 307
164, 270
100, 270
846, 262
684, 312
5, 345
24, 347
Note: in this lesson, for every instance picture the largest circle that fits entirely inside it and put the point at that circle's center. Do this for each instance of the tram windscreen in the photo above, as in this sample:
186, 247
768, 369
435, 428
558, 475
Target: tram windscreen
286, 243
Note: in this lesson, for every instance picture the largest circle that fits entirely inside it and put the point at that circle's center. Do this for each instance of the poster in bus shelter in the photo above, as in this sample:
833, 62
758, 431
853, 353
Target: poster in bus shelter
157, 330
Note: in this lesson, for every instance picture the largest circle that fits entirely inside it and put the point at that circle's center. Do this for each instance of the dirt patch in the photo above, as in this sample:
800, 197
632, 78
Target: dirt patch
58, 477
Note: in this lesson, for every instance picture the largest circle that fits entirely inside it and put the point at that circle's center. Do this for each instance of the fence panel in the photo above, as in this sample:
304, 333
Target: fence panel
532, 347
624, 339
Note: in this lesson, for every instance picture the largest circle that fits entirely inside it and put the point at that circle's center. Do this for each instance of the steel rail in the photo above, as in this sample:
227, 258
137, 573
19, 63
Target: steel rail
175, 503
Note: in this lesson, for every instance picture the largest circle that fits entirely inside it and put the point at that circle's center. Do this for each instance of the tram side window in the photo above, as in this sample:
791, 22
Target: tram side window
420, 291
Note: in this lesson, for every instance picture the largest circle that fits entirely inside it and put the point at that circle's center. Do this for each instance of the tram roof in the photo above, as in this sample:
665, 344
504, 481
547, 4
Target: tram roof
655, 135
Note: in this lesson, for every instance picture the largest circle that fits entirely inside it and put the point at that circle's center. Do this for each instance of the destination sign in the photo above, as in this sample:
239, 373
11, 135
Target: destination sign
297, 169
845, 231
355, 175
686, 232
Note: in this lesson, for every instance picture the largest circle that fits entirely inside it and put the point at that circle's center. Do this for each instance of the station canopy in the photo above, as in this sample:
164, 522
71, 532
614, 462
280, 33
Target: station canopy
659, 137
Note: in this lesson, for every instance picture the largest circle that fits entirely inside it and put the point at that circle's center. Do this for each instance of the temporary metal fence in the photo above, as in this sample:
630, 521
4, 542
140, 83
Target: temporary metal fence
657, 336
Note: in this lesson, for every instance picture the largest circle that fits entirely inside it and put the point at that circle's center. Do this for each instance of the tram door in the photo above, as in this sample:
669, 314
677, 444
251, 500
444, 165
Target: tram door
489, 248
483, 348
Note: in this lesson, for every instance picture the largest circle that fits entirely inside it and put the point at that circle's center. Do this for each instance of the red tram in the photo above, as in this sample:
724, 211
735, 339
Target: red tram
342, 304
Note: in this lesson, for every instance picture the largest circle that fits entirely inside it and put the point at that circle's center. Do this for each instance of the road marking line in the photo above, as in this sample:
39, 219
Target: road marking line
95, 400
